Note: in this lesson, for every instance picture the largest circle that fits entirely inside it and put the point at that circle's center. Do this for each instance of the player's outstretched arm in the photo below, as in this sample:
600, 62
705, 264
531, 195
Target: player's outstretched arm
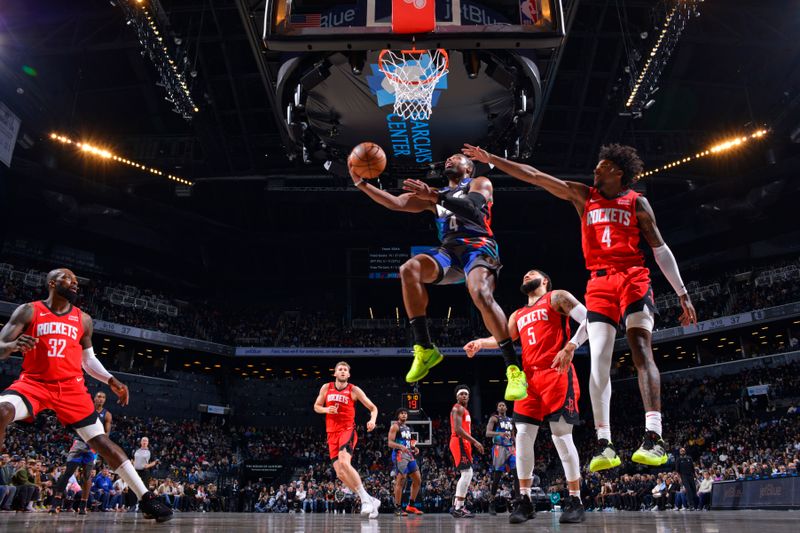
359, 395
474, 346
319, 404
572, 191
92, 365
664, 258
406, 202
11, 337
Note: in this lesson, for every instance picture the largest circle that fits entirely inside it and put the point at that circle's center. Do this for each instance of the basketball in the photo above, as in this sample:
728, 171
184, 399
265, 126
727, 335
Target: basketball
367, 160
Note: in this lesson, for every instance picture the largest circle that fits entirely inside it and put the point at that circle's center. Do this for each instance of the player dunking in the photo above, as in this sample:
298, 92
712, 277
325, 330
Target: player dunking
461, 443
337, 401
83, 457
500, 429
404, 452
542, 327
612, 219
468, 252
55, 338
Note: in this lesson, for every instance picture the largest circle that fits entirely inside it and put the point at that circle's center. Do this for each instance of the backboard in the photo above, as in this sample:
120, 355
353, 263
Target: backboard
330, 25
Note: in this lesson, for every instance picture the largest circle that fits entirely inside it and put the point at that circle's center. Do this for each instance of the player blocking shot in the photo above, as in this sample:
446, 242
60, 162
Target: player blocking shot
613, 217
542, 327
461, 444
468, 254
55, 338
337, 401
404, 452
500, 429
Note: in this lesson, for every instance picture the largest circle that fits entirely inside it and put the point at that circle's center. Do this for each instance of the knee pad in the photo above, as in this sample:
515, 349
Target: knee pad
643, 319
568, 455
524, 441
20, 409
463, 483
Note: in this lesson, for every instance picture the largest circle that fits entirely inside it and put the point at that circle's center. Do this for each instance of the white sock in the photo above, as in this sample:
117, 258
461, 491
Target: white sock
652, 421
364, 495
129, 476
459, 504
525, 491
601, 345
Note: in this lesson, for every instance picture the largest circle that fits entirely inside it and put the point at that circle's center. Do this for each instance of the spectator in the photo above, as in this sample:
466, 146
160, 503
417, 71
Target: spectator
705, 491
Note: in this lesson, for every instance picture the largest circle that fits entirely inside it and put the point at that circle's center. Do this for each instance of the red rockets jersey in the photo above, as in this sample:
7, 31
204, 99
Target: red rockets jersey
542, 332
466, 423
345, 418
610, 232
58, 353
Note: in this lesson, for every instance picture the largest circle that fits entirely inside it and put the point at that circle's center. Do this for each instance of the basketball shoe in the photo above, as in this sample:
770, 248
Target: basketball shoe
652, 452
517, 388
424, 360
606, 457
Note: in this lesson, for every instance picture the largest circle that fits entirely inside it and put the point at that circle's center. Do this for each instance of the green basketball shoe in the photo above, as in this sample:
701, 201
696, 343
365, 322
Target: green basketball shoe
424, 360
517, 388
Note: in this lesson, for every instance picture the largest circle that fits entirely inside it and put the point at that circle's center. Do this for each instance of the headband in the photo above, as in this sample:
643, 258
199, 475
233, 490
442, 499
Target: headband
459, 391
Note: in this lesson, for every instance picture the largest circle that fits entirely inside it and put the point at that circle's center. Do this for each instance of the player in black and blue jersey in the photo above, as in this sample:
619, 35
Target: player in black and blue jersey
404, 452
468, 254
500, 429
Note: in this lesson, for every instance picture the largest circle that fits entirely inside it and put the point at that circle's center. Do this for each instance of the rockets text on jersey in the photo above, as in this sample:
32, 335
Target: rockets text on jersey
451, 226
345, 417
542, 332
58, 353
610, 231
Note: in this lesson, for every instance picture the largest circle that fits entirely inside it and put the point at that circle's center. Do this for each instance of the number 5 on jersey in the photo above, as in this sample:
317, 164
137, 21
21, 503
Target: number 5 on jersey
606, 238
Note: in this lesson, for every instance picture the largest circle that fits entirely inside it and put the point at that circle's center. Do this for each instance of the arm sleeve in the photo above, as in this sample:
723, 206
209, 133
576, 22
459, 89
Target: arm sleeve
578, 314
469, 207
666, 262
93, 366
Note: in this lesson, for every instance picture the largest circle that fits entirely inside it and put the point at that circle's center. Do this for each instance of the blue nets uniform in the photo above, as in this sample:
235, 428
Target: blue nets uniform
80, 452
466, 242
503, 452
403, 460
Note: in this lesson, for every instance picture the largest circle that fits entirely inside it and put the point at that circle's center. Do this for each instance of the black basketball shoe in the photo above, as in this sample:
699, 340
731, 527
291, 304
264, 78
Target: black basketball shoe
573, 512
523, 510
152, 507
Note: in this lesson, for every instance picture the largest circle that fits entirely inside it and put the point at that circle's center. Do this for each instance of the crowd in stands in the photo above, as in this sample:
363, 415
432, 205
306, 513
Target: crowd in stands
251, 325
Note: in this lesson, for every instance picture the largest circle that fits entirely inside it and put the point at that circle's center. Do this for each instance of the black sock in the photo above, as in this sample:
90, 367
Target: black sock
419, 325
496, 483
603, 442
516, 487
509, 353
411, 502
82, 505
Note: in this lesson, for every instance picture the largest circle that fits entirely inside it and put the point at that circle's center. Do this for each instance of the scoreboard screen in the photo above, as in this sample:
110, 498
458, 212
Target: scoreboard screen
385, 262
412, 401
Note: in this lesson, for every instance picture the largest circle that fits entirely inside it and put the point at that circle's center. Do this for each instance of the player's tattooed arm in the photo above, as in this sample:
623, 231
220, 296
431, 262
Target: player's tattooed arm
319, 404
572, 191
11, 337
647, 223
490, 428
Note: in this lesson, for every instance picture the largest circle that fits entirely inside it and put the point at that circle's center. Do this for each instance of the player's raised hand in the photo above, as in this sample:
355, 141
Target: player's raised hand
370, 426
689, 315
355, 177
333, 409
421, 190
563, 358
23, 343
476, 153
121, 390
473, 347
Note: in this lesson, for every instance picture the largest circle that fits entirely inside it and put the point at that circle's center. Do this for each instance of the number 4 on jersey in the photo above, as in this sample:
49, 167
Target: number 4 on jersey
606, 238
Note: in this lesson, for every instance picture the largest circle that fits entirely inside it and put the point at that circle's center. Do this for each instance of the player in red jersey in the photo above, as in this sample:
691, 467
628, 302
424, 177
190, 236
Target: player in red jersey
461, 443
337, 401
542, 328
612, 219
55, 339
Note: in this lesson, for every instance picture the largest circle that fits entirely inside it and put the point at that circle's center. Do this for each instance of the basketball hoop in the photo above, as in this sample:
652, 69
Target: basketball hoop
413, 74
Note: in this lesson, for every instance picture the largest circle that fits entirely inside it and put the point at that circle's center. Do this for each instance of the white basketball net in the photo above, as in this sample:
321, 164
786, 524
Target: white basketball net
413, 74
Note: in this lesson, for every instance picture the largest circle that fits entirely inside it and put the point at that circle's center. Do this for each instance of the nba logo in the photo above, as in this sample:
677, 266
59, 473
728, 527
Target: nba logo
529, 12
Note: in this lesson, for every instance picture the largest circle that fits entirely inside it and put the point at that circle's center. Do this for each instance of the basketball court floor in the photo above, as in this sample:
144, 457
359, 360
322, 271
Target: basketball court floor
620, 522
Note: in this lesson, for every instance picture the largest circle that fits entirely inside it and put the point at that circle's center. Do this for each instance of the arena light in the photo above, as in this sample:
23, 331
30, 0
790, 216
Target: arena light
646, 83
717, 149
102, 153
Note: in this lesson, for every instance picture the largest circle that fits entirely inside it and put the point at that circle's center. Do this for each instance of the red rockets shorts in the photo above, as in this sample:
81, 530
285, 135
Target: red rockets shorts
461, 449
342, 440
550, 396
612, 295
69, 399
